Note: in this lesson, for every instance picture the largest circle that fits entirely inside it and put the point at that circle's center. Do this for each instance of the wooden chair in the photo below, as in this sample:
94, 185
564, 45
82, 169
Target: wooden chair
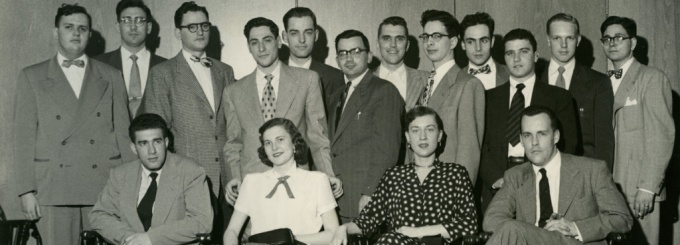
93, 238
17, 232
482, 237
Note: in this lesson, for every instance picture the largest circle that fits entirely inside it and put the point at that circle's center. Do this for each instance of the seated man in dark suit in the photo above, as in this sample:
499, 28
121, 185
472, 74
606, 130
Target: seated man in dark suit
555, 198
161, 198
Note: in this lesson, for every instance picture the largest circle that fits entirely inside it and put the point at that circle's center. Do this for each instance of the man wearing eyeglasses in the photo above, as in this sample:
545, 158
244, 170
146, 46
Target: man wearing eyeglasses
478, 39
187, 92
457, 96
364, 126
132, 58
643, 126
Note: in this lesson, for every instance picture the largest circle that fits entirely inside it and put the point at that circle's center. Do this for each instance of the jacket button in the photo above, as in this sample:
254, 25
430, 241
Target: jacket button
99, 114
58, 117
217, 159
94, 166
63, 142
91, 141
215, 137
61, 165
211, 116
335, 154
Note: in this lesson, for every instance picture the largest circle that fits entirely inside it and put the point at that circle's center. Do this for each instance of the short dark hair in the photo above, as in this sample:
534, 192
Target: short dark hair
125, 4
479, 18
521, 34
450, 22
534, 110
69, 9
563, 17
627, 23
350, 34
420, 111
298, 12
301, 149
147, 121
186, 7
260, 21
395, 21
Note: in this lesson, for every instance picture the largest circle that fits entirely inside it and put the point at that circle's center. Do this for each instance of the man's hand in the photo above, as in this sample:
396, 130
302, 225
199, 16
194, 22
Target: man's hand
137, 239
232, 190
363, 201
30, 206
498, 184
336, 184
409, 231
644, 203
563, 226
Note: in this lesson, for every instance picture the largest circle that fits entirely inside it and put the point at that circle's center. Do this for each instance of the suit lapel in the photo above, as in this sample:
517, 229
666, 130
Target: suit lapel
130, 196
414, 86
187, 76
504, 102
167, 191
251, 98
288, 88
538, 96
356, 100
527, 194
117, 60
626, 85
91, 94
568, 184
502, 75
59, 88
218, 84
443, 89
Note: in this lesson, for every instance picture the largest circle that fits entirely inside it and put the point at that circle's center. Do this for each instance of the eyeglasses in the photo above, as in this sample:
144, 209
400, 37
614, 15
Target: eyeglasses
435, 36
607, 40
342, 54
205, 26
138, 21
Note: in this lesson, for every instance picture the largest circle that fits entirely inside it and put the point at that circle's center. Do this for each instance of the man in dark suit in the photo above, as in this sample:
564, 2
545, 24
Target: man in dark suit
160, 198
70, 117
301, 33
365, 125
134, 23
187, 92
501, 149
590, 89
478, 40
555, 197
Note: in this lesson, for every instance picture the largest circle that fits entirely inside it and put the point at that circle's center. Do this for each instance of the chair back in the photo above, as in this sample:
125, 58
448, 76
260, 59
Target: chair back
17, 232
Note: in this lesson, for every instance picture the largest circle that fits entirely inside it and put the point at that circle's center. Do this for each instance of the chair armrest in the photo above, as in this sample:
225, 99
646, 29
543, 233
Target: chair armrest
479, 238
615, 237
203, 238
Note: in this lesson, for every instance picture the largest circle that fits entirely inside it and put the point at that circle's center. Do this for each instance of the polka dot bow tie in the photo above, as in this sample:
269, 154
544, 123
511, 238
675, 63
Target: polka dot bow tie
204, 61
617, 73
69, 63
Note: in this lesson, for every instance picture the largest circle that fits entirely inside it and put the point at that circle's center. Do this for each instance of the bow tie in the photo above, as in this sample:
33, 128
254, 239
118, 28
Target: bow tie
204, 61
78, 63
617, 73
485, 69
282, 181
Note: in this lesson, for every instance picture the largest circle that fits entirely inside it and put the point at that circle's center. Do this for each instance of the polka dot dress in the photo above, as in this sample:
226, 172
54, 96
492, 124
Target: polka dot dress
445, 197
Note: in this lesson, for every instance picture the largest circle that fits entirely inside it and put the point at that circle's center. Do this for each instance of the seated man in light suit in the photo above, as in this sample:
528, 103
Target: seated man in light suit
555, 198
161, 198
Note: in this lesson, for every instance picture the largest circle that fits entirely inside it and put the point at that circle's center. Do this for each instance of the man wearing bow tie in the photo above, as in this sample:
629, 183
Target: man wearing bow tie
187, 92
643, 126
478, 39
70, 124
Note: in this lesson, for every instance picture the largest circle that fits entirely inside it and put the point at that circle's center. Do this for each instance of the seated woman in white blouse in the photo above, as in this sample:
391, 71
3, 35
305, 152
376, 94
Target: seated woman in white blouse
284, 196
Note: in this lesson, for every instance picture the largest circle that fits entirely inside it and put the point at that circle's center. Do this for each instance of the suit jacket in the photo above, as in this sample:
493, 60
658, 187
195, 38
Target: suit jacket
588, 196
181, 209
114, 59
645, 130
502, 75
298, 99
173, 92
367, 139
593, 98
495, 147
416, 80
64, 146
459, 101
332, 80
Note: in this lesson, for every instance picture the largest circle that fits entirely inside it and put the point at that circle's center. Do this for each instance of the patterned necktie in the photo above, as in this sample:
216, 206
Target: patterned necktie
484, 70
617, 73
204, 61
560, 78
145, 207
68, 63
544, 198
515, 116
427, 91
343, 97
135, 95
268, 99
282, 181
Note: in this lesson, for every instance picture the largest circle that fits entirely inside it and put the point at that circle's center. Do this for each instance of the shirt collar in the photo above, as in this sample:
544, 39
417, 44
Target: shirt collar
528, 83
188, 56
552, 167
293, 171
276, 72
61, 58
488, 62
384, 70
146, 172
552, 68
306, 65
141, 54
625, 66
357, 80
444, 68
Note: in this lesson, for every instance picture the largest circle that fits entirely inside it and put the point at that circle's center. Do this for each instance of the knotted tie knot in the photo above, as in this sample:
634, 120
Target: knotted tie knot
69, 63
282, 181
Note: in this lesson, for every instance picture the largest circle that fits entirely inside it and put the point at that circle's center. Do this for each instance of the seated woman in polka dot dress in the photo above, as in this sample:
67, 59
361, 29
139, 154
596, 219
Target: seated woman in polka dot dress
423, 198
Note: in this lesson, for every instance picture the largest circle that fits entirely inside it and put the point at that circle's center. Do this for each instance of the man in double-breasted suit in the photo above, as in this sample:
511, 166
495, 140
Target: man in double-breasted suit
160, 198
554, 198
70, 118
478, 39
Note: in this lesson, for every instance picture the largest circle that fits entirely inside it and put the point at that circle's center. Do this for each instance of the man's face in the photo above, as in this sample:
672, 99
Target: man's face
618, 52
353, 65
393, 43
263, 46
133, 35
300, 36
73, 32
477, 43
437, 51
198, 40
520, 58
539, 139
563, 40
150, 146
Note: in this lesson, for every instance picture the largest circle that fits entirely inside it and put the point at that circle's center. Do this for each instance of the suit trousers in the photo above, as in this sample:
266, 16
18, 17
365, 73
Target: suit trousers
63, 224
645, 231
518, 233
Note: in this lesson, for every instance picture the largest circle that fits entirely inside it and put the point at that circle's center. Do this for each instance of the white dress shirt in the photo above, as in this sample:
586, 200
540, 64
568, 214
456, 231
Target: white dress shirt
441, 71
143, 63
261, 81
553, 73
74, 74
617, 82
488, 80
203, 76
146, 182
397, 77
518, 150
355, 83
306, 65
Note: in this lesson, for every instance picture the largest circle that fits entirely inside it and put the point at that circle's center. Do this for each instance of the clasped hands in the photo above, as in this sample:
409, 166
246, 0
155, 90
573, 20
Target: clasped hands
561, 225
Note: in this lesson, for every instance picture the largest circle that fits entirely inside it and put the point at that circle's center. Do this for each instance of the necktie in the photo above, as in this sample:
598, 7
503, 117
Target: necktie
484, 70
68, 63
135, 95
560, 78
204, 61
617, 73
268, 99
427, 91
544, 198
145, 207
282, 181
515, 116
343, 97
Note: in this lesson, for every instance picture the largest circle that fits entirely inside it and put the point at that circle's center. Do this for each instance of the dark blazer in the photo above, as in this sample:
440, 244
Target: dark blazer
594, 100
502, 75
113, 59
367, 139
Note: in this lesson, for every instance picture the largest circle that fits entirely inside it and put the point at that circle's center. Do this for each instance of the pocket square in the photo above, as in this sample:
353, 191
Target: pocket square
630, 102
